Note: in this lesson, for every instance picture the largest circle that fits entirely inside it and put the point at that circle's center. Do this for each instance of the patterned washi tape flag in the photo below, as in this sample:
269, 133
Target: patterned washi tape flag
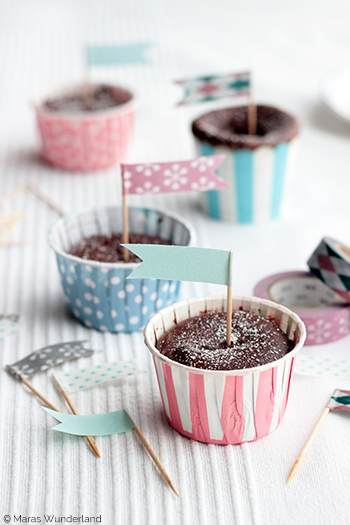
340, 400
114, 55
163, 177
330, 262
8, 325
96, 375
213, 87
116, 422
322, 367
182, 263
47, 357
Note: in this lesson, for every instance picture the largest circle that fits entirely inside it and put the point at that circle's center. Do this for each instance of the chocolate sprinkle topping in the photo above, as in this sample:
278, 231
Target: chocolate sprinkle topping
229, 128
200, 341
106, 248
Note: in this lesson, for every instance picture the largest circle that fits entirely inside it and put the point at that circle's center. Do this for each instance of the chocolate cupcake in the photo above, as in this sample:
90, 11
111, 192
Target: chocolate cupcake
98, 293
256, 166
86, 129
216, 402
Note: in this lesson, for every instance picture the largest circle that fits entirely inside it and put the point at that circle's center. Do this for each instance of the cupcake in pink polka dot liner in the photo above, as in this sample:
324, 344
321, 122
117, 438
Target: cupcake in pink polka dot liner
98, 293
86, 128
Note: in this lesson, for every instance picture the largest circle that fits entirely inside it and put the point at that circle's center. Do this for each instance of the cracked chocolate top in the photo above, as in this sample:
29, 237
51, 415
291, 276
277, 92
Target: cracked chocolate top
229, 128
200, 341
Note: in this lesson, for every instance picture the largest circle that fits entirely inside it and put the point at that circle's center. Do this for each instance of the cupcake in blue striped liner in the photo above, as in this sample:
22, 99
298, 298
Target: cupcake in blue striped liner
258, 167
98, 294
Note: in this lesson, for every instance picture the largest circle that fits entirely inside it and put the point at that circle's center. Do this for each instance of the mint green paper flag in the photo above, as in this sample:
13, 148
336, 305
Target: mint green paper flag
97, 425
117, 55
182, 263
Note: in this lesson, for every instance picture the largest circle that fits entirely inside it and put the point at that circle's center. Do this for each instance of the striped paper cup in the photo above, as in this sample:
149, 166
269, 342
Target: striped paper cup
219, 406
258, 168
86, 141
98, 293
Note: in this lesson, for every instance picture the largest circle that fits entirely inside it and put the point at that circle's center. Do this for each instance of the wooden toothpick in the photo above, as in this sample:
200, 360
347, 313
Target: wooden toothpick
229, 305
76, 413
125, 226
12, 194
50, 405
155, 459
252, 118
44, 198
308, 443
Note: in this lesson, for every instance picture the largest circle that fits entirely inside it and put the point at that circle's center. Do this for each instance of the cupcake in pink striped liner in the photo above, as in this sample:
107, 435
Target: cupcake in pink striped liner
224, 406
75, 138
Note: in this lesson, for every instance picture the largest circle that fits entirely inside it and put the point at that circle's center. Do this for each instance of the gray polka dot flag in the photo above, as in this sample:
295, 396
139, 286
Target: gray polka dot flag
49, 356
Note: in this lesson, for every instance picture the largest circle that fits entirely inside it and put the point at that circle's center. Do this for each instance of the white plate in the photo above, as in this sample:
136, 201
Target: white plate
335, 93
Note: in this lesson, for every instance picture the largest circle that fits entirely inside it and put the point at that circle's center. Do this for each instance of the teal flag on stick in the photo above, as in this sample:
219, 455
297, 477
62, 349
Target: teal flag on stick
123, 54
97, 425
182, 263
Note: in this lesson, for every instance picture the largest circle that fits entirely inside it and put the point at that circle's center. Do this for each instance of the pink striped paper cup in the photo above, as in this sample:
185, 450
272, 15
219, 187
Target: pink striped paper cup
86, 141
219, 406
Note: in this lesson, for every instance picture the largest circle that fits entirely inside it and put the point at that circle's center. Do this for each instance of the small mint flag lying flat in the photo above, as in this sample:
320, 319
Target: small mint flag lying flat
123, 54
182, 263
340, 400
213, 87
95, 375
97, 425
8, 325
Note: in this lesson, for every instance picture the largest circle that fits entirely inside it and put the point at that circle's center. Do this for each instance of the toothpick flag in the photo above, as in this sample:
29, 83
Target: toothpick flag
213, 87
117, 55
182, 263
340, 400
96, 375
116, 422
8, 325
162, 177
47, 357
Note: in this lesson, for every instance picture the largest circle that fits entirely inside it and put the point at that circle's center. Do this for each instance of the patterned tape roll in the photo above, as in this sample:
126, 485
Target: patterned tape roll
330, 262
326, 316
224, 406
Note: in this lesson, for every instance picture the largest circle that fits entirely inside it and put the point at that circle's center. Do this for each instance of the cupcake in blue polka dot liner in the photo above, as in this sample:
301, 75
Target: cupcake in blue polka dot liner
98, 293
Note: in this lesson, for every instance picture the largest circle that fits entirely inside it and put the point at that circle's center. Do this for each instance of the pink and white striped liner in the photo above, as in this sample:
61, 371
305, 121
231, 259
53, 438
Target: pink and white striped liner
87, 141
217, 406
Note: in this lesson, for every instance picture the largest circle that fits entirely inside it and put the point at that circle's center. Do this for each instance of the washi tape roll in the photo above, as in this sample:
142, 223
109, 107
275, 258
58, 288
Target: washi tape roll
325, 314
330, 262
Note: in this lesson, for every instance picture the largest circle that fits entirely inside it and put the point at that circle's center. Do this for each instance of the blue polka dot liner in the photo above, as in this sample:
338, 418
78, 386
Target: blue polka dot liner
89, 377
98, 293
8, 325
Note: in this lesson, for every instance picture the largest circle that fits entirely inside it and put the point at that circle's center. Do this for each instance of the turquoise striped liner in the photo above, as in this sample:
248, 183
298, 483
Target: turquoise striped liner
258, 179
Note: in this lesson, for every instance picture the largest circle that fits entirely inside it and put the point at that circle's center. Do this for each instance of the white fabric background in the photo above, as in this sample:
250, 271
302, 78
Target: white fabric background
289, 46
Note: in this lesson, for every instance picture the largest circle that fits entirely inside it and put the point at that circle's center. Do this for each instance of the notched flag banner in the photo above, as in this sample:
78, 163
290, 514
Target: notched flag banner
213, 87
182, 263
49, 356
108, 424
163, 177
95, 375
8, 325
117, 55
340, 400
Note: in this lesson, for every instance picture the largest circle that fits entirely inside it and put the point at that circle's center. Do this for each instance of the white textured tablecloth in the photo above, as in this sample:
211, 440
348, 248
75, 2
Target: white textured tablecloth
289, 46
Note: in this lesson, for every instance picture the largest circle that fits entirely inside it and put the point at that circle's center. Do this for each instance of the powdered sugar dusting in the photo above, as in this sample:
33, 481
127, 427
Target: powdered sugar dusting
201, 342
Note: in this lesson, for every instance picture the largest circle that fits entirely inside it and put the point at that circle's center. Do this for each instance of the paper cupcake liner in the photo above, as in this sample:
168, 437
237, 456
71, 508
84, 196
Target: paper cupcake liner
85, 142
259, 180
217, 406
98, 293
